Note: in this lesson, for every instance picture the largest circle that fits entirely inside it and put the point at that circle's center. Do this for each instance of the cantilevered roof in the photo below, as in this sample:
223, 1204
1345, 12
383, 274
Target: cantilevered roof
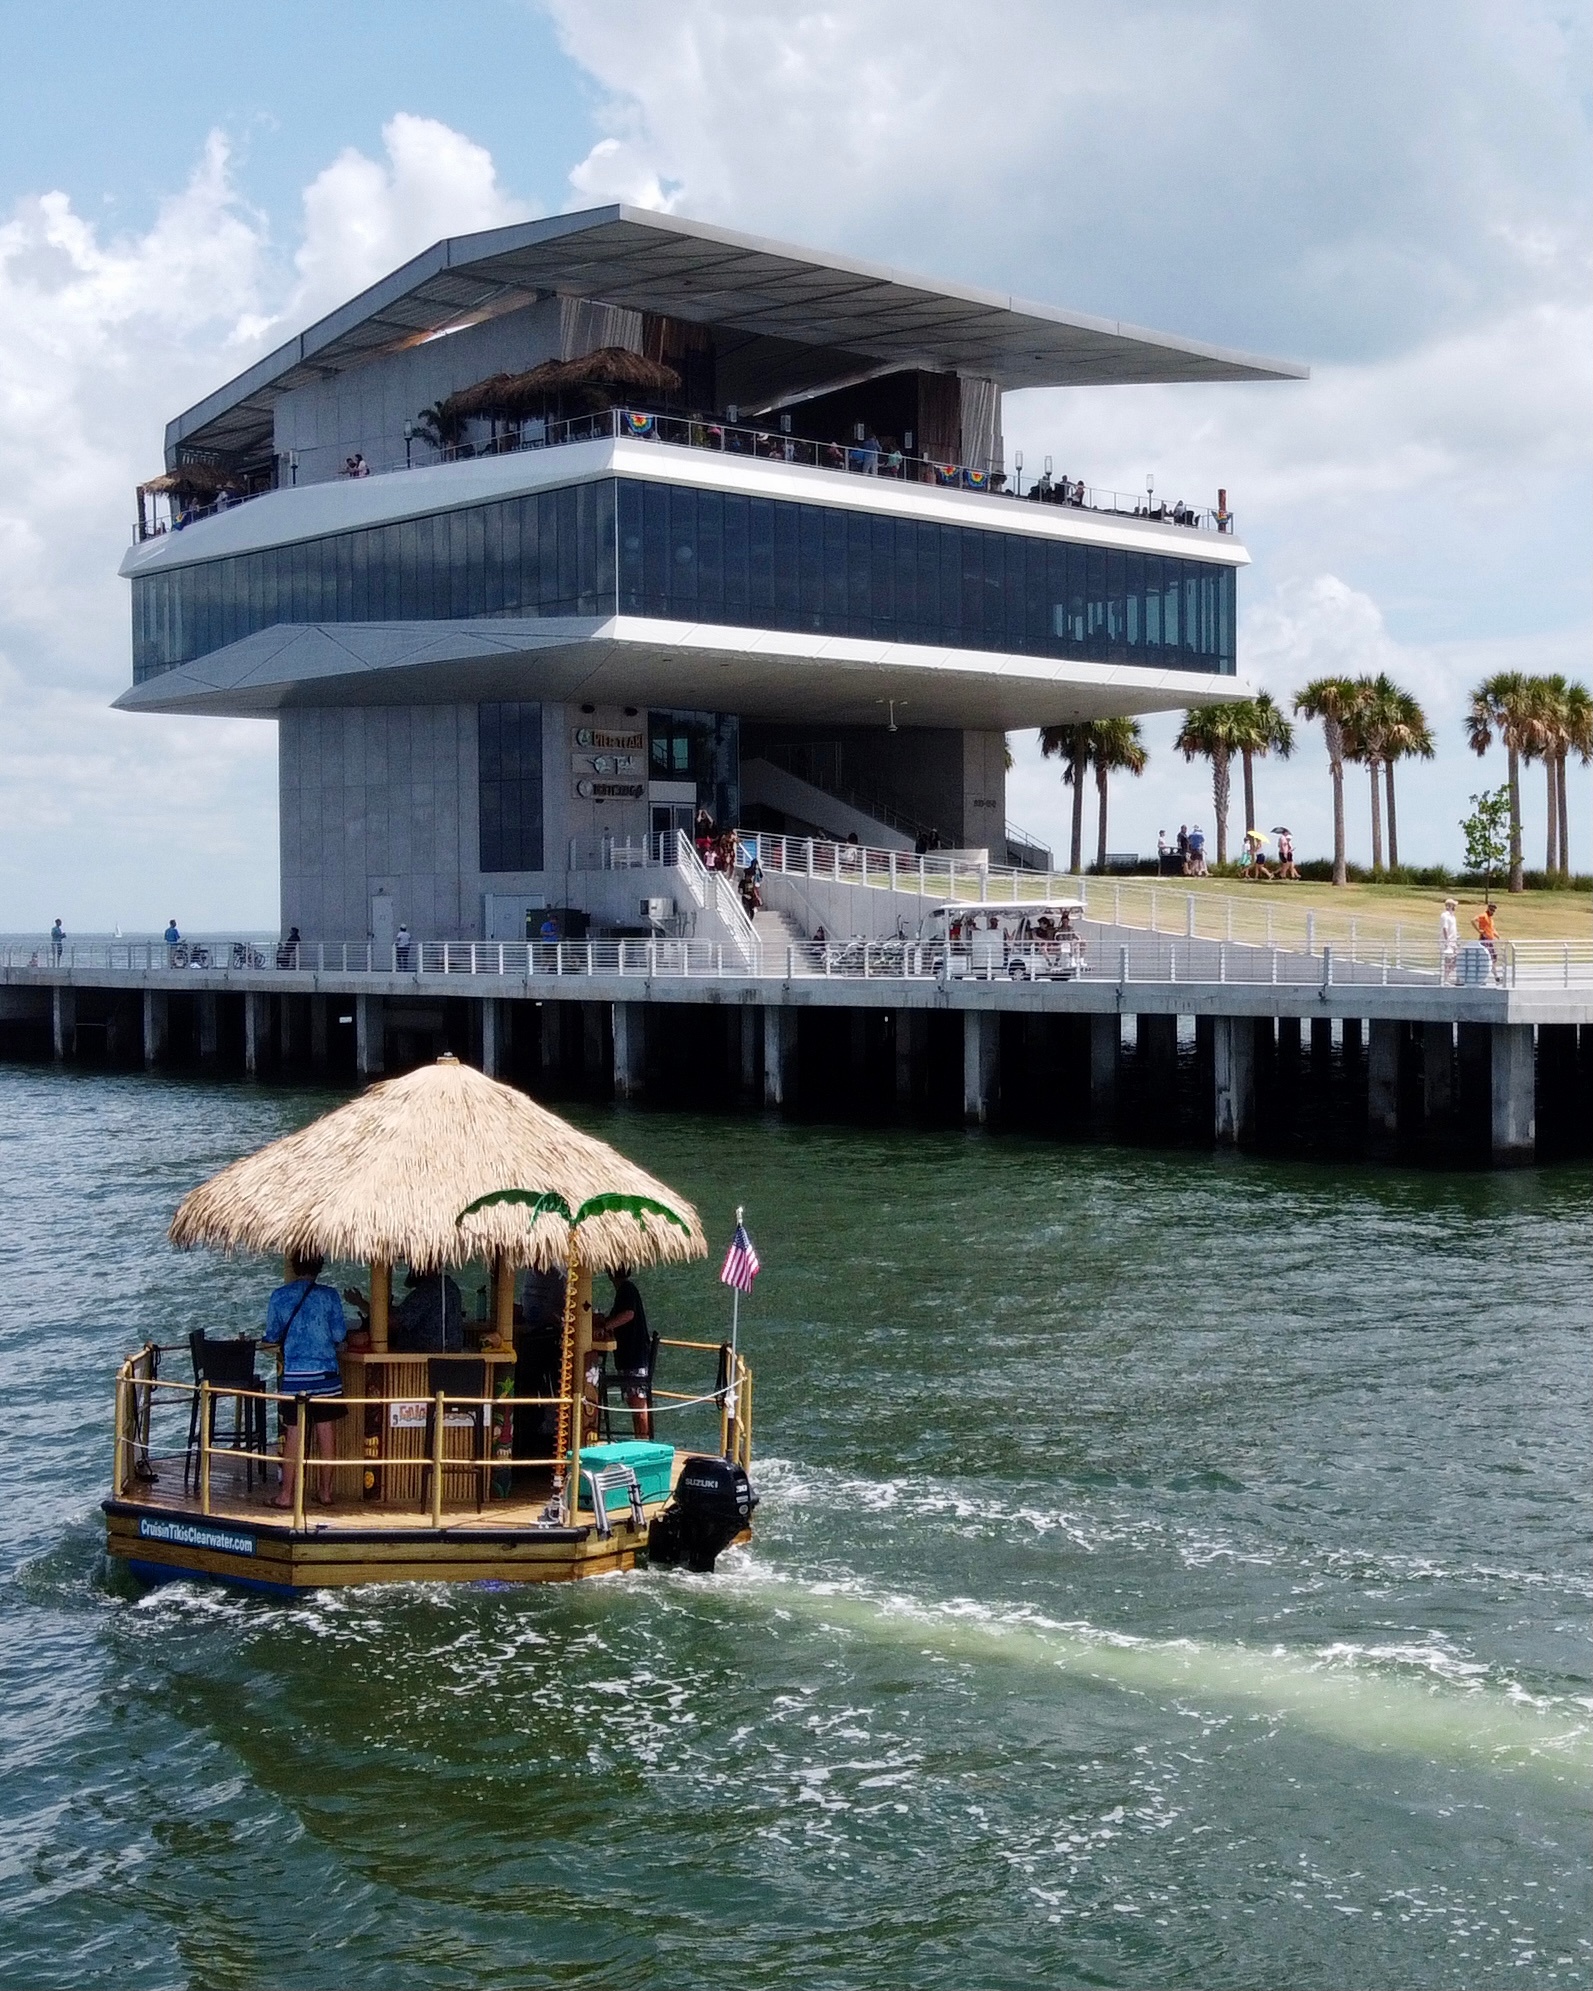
662, 263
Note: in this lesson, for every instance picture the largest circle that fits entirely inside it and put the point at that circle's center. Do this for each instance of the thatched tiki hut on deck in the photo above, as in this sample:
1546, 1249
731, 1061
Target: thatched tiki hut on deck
597, 380
383, 1180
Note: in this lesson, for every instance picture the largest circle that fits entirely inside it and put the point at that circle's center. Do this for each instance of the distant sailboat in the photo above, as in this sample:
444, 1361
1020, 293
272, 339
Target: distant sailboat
116, 931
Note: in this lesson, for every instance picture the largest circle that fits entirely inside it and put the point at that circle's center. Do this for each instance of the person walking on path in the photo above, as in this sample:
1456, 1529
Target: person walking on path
1448, 943
1488, 934
57, 939
1287, 868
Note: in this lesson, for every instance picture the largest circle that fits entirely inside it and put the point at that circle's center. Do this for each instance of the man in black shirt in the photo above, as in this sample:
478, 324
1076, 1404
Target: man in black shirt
626, 1322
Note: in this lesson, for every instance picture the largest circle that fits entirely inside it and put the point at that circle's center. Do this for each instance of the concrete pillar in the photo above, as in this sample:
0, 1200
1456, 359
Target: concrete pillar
1438, 1071
1382, 1085
492, 1037
779, 1056
370, 1035
1156, 1047
1321, 1042
64, 1021
552, 1037
1288, 1042
981, 1064
287, 1032
1514, 1132
156, 1024
256, 1030
1106, 1044
209, 1008
1352, 1038
319, 1029
912, 1032
747, 1052
593, 1047
1233, 1044
630, 1049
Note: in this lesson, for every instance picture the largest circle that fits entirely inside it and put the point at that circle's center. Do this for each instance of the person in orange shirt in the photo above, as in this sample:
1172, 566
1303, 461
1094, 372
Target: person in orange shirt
1488, 934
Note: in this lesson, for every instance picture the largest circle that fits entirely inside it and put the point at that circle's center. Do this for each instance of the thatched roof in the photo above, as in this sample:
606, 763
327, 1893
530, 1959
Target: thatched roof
509, 394
385, 1177
204, 477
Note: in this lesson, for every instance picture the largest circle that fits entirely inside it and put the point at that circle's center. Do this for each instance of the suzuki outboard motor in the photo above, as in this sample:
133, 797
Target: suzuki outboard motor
711, 1505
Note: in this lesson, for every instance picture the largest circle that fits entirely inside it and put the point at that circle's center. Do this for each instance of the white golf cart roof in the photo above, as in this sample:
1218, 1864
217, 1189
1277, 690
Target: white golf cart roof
1024, 909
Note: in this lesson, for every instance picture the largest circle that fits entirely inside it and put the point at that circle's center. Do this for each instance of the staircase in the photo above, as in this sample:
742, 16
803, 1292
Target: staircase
782, 938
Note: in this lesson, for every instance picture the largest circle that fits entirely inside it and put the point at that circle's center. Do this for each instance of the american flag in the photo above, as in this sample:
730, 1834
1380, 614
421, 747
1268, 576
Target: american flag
741, 1262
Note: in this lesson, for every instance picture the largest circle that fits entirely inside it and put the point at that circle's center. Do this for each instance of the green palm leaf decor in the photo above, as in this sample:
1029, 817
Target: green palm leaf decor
549, 1203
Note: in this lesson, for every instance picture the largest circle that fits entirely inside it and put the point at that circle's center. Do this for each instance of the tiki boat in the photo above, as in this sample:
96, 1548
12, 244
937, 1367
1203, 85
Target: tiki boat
511, 1459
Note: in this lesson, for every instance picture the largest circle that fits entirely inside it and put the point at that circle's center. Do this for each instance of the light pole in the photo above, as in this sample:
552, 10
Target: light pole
409, 437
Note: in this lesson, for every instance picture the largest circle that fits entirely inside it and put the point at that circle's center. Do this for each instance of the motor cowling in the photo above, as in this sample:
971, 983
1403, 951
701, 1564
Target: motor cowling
712, 1503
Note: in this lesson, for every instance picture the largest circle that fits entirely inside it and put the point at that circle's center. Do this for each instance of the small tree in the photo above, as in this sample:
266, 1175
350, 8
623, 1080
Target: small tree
1487, 831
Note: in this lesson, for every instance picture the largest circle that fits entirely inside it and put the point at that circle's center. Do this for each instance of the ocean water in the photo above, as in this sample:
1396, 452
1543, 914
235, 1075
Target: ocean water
1170, 1570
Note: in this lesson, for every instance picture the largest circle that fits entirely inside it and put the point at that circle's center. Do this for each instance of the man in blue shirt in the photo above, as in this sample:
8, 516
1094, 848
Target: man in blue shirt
307, 1320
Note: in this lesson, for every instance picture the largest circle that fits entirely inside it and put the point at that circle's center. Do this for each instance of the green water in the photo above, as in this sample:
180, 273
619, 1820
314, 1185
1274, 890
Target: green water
1169, 1571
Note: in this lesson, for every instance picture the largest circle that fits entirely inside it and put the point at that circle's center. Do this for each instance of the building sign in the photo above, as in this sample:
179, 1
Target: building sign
610, 791
407, 1416
195, 1535
625, 766
610, 743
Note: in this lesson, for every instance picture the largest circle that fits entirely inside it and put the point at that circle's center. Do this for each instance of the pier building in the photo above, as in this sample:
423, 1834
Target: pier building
565, 532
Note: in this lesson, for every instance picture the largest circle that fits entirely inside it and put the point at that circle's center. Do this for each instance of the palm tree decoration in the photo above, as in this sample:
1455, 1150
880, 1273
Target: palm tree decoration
1214, 733
549, 1203
1505, 704
1119, 749
1262, 729
1333, 701
1407, 736
1076, 745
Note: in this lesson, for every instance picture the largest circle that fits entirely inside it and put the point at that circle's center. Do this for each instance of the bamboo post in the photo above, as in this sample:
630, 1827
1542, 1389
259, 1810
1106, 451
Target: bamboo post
503, 1300
381, 1302
437, 1461
299, 1467
204, 1448
568, 1372
119, 1440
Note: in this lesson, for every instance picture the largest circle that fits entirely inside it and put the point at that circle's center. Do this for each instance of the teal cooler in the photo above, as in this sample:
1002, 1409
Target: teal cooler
653, 1464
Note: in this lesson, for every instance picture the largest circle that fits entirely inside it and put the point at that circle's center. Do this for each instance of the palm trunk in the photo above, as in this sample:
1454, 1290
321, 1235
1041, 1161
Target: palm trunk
1564, 814
1101, 777
1335, 747
1377, 817
1517, 882
1077, 864
1393, 826
1219, 799
1551, 841
1250, 789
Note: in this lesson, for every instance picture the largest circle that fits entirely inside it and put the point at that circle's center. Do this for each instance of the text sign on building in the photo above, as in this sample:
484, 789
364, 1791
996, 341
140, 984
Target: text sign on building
610, 743
625, 766
610, 791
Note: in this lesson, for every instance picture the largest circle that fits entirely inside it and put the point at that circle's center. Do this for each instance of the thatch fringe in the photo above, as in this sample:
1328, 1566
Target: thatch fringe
385, 1176
508, 395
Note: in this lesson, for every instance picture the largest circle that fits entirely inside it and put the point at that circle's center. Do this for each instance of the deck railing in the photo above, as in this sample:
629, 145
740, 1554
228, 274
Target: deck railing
143, 1395
724, 438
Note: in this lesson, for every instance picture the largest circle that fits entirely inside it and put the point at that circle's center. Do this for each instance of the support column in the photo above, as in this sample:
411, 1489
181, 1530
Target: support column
256, 1030
319, 1028
1352, 1038
1106, 1045
63, 1019
593, 1063
911, 1033
630, 1049
747, 1052
1382, 1085
1156, 1047
779, 1056
370, 1035
156, 1016
1514, 1132
981, 1065
1233, 1043
491, 1036
1321, 1043
1438, 1071
208, 1005
552, 1039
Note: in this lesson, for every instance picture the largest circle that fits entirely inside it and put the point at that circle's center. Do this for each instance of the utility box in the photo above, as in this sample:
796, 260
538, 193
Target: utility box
658, 909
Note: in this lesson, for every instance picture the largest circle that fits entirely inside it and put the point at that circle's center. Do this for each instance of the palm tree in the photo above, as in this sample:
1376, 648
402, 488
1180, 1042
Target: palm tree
1262, 729
1408, 737
1366, 728
1504, 704
1332, 700
1548, 745
1213, 733
1076, 745
1119, 748
1578, 740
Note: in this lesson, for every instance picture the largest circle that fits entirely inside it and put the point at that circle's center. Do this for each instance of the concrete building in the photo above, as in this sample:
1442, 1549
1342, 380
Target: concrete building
566, 531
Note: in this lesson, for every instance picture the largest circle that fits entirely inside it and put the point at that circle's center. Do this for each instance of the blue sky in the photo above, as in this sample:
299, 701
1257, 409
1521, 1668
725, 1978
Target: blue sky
1400, 197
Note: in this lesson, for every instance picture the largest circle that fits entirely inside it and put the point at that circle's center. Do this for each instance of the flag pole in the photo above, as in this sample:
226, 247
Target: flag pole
733, 1392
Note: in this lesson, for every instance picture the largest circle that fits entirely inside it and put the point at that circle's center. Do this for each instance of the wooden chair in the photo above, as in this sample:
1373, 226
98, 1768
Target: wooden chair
228, 1367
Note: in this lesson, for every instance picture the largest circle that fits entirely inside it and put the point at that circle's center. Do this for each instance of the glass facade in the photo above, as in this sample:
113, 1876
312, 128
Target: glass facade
680, 554
548, 554
509, 737
708, 556
704, 747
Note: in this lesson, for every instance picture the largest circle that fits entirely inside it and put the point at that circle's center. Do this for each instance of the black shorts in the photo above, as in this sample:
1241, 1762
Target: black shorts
632, 1382
323, 1410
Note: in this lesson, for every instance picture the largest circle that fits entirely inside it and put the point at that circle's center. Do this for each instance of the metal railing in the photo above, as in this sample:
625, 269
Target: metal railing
145, 1402
725, 438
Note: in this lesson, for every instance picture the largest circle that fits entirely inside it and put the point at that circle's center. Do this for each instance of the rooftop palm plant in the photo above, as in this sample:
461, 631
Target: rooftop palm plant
1504, 704
1119, 749
1333, 701
1213, 733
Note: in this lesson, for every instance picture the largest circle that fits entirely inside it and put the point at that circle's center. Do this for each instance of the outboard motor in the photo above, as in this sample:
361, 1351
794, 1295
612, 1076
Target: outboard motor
712, 1504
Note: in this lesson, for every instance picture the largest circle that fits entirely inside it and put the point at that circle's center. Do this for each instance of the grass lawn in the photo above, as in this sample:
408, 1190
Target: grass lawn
1525, 916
